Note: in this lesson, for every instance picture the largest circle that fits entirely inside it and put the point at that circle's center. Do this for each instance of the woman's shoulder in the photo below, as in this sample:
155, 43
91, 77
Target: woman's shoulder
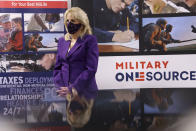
89, 37
62, 40
90, 40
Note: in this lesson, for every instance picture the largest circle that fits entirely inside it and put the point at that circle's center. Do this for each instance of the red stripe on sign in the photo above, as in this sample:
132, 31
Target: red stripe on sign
139, 79
141, 73
55, 128
33, 4
141, 76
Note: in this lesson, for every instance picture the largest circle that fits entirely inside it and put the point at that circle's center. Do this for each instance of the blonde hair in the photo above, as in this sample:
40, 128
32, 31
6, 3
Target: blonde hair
82, 119
82, 17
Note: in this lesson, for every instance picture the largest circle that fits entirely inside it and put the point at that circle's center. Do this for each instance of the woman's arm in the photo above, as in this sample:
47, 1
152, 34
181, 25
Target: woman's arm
40, 22
57, 73
91, 66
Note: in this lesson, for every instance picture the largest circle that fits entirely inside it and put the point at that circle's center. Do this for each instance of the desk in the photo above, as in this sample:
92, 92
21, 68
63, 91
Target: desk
132, 46
48, 49
115, 48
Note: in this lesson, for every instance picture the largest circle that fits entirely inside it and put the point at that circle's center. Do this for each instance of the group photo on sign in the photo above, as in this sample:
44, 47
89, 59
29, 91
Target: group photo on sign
168, 34
11, 38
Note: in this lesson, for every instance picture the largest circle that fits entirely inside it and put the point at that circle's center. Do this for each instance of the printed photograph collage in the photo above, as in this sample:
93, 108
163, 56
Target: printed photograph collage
28, 46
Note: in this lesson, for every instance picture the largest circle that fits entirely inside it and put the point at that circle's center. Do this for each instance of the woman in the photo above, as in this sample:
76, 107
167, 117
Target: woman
76, 65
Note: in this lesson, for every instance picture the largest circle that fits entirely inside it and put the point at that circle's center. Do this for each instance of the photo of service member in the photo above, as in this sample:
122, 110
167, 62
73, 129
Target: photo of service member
43, 22
116, 23
165, 34
28, 63
168, 100
11, 32
41, 41
168, 6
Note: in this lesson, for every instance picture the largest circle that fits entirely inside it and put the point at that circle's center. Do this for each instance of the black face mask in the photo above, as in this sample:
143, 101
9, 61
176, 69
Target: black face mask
73, 28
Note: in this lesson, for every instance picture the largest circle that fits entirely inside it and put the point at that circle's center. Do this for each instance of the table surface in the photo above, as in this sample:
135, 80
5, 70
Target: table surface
117, 48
